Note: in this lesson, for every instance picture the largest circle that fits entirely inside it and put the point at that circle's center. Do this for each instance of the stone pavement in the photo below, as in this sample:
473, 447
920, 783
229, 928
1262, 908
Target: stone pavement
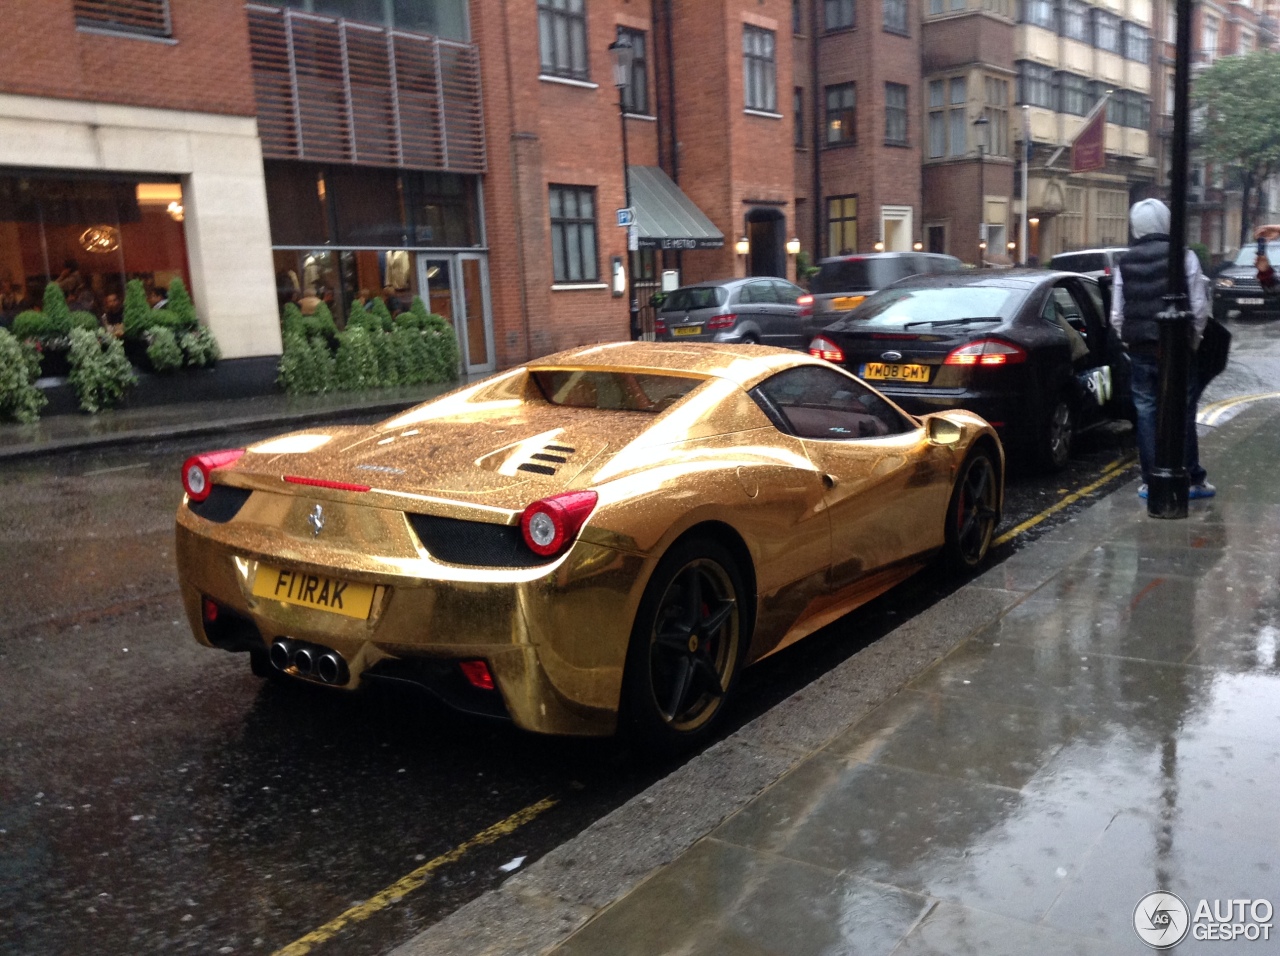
1008, 773
63, 433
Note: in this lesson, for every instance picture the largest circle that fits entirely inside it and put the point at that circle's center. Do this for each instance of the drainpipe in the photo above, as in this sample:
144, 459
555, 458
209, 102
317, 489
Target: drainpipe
818, 204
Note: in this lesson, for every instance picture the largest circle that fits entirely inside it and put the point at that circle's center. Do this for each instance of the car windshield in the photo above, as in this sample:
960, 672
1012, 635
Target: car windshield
696, 297
899, 307
613, 391
1250, 252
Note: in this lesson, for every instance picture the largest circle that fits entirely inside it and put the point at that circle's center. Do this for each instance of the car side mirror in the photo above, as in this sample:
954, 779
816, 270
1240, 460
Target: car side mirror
942, 432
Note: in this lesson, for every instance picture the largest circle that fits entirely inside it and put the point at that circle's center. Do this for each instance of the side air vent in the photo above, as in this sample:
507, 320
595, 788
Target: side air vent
223, 503
555, 454
474, 543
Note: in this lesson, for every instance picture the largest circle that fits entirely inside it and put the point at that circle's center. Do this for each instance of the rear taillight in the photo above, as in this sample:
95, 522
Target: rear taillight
806, 305
659, 327
197, 469
986, 352
823, 348
477, 674
550, 525
722, 321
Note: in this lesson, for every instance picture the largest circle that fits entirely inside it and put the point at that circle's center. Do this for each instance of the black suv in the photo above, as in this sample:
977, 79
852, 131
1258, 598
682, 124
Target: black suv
1236, 288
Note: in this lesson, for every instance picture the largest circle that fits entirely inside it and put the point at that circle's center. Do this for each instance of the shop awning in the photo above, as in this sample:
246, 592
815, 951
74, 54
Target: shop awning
665, 217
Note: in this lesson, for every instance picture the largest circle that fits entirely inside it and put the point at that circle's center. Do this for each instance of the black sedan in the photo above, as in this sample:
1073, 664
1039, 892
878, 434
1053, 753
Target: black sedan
1030, 351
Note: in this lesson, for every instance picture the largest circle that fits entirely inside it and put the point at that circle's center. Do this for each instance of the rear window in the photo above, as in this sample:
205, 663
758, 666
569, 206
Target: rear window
1080, 262
695, 297
859, 275
897, 307
613, 391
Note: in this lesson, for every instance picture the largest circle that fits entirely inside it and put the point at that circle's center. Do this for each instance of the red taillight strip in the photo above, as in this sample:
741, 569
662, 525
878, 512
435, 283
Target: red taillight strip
324, 483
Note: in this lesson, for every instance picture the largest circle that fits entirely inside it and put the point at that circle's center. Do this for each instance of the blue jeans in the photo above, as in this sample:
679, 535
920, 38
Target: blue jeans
1145, 385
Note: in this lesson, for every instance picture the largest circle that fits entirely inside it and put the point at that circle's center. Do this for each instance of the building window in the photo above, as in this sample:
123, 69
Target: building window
948, 126
996, 110
635, 95
562, 38
895, 114
1171, 23
842, 225
895, 16
759, 70
842, 114
799, 118
1127, 108
1113, 217
1035, 85
837, 14
573, 234
1210, 44
144, 17
1106, 31
797, 19
1137, 42
442, 18
1074, 23
1245, 42
1038, 13
1075, 94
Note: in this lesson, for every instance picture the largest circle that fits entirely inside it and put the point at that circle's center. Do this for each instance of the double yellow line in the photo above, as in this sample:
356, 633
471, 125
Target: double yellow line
407, 884
1213, 413
1109, 473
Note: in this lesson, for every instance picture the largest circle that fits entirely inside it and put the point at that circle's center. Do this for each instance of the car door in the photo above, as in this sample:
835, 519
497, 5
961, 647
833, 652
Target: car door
791, 331
887, 486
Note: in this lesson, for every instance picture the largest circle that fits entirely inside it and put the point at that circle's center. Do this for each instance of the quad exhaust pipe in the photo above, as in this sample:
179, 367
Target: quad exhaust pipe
309, 660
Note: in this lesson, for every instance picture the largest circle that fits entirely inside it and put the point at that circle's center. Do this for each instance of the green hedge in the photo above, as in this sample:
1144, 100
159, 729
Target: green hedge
373, 352
100, 373
20, 400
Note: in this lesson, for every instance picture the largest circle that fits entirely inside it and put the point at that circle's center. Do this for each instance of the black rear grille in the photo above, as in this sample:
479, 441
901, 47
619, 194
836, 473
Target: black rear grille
223, 503
475, 543
536, 469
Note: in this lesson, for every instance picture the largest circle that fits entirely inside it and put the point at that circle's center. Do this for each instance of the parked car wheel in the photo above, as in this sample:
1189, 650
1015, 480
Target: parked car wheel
973, 513
1057, 434
687, 646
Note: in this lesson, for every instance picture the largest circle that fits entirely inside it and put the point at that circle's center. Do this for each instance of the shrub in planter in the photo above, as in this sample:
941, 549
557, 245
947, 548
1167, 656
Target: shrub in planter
356, 363
384, 347
379, 309
20, 400
326, 371
100, 373
200, 347
55, 308
33, 326
322, 322
137, 313
413, 355
163, 353
442, 341
84, 320
165, 319
180, 304
306, 367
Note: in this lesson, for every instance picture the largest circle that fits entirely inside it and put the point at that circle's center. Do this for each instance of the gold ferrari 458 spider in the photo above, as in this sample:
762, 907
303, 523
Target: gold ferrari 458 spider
602, 538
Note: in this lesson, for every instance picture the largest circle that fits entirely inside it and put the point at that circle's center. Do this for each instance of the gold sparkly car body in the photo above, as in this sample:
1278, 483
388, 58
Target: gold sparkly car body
612, 531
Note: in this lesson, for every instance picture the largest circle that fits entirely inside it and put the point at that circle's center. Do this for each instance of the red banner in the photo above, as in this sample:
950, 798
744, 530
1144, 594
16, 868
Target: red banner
1088, 149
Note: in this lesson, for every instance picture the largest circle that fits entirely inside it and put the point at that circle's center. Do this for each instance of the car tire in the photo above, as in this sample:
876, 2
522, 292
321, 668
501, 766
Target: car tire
749, 339
973, 512
1057, 431
687, 647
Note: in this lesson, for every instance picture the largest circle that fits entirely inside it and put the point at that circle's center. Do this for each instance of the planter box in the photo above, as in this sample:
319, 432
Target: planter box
55, 364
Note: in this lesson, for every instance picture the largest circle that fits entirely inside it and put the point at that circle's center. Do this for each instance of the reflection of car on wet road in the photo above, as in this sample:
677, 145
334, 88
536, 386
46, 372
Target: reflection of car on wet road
1236, 287
614, 530
1030, 351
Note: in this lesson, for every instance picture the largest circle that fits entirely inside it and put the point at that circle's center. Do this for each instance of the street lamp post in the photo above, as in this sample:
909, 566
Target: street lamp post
1170, 484
623, 56
981, 124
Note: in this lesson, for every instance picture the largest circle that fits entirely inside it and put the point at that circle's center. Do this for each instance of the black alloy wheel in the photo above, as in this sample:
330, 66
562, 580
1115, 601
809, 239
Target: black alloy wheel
749, 339
973, 513
1058, 433
686, 646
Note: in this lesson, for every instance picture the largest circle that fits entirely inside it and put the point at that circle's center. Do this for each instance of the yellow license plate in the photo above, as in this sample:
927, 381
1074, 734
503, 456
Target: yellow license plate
687, 330
895, 373
846, 302
314, 590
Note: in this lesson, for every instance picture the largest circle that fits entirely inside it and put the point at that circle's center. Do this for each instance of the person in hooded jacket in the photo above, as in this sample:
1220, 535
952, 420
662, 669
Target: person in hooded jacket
1141, 282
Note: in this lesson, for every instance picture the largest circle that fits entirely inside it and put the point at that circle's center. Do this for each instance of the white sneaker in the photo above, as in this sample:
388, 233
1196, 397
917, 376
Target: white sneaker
1202, 490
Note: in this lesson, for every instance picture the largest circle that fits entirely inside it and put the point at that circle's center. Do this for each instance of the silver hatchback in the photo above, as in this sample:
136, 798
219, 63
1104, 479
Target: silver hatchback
760, 310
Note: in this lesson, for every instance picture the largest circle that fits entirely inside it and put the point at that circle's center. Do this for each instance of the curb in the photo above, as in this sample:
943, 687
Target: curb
541, 907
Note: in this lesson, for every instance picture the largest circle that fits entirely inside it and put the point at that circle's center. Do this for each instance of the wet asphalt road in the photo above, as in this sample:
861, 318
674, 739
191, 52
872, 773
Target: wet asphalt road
157, 798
